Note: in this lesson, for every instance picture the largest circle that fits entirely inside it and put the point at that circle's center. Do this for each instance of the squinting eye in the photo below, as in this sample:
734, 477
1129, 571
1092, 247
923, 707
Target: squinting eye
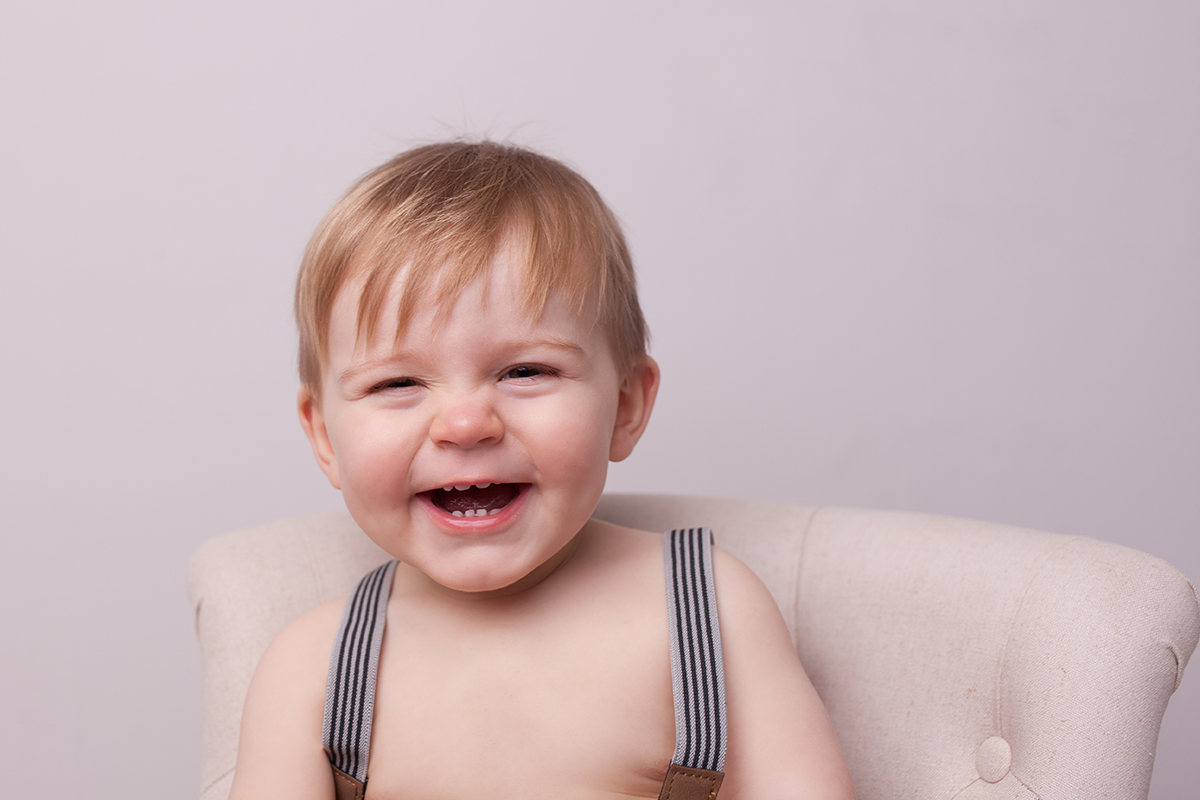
524, 371
394, 383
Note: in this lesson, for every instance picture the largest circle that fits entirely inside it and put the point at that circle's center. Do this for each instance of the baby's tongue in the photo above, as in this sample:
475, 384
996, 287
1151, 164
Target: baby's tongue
498, 495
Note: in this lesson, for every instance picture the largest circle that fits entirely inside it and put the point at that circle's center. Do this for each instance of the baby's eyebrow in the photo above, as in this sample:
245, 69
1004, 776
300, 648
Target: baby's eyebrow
553, 343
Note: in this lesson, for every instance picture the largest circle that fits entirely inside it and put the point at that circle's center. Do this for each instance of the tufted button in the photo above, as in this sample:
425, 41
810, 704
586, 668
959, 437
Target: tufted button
993, 759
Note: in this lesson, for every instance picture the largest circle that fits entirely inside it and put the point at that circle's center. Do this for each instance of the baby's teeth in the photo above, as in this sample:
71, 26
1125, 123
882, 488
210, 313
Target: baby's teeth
482, 485
477, 512
462, 488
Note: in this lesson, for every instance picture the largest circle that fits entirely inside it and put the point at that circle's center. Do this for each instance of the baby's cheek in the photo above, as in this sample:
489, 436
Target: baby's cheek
581, 444
373, 475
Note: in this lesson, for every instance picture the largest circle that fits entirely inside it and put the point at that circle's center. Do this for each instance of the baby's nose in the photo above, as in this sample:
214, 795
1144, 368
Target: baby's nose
466, 421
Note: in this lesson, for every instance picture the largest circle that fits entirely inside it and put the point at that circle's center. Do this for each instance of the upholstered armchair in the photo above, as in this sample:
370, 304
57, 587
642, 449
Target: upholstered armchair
958, 659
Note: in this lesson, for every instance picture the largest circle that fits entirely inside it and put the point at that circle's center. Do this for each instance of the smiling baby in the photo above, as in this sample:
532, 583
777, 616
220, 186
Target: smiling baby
472, 356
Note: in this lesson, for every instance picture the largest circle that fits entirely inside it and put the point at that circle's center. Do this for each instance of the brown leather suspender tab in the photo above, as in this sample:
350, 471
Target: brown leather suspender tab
685, 783
346, 787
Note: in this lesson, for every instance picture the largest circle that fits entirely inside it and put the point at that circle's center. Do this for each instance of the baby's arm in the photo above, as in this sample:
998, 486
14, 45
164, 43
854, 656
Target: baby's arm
279, 752
781, 744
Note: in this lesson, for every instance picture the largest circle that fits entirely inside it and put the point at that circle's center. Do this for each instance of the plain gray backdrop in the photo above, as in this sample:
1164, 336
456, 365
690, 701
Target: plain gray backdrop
935, 256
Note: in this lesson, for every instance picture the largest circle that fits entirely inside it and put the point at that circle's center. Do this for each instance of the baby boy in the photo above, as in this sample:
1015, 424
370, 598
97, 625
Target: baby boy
472, 355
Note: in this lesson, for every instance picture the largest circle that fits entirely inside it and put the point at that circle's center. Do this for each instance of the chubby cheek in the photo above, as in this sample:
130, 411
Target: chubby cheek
373, 468
370, 489
571, 443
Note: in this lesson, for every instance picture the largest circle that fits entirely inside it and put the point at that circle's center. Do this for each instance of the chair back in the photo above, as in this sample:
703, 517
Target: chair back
957, 659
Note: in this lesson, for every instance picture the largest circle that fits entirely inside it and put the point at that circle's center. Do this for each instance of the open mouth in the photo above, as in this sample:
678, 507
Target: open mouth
480, 500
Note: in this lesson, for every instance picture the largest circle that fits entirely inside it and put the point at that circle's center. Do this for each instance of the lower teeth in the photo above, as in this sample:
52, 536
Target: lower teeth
474, 512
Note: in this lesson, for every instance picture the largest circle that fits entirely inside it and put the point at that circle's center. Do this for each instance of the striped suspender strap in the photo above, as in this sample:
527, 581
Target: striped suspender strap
350, 692
697, 669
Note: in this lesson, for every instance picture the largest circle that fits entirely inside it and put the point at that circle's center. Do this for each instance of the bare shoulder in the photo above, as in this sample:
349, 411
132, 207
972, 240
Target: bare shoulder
311, 632
279, 748
606, 547
781, 744
632, 540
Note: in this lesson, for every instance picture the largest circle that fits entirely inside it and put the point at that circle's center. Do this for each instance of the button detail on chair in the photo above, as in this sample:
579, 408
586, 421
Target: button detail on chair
993, 759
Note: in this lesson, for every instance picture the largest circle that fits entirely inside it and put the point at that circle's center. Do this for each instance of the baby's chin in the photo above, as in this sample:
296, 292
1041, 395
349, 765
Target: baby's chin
484, 581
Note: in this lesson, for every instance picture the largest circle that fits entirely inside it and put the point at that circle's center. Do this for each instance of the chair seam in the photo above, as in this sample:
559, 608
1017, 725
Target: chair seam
1024, 785
205, 787
800, 559
1180, 661
1012, 623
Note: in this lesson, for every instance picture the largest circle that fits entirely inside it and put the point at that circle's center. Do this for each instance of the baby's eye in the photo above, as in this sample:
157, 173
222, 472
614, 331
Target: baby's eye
526, 371
394, 383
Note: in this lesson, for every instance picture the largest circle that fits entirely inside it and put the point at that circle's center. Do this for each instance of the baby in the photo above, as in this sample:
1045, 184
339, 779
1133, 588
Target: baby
472, 355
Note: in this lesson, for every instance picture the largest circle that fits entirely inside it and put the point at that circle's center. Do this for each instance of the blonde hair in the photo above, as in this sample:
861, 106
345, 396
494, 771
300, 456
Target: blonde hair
440, 213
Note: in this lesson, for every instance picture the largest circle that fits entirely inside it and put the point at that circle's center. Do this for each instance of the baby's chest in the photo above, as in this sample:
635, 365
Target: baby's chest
580, 713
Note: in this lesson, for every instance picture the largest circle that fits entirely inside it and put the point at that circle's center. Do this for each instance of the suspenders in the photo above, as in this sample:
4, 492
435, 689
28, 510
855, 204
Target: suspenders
697, 669
350, 691
697, 674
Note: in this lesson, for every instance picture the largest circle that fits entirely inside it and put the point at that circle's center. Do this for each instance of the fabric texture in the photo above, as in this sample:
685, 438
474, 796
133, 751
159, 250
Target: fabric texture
928, 638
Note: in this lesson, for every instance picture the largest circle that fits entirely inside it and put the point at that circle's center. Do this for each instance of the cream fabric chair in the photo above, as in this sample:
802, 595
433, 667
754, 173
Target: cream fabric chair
958, 659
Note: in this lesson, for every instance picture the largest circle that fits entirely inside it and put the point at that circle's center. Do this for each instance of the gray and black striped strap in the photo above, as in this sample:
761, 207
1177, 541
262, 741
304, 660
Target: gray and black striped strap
697, 669
350, 692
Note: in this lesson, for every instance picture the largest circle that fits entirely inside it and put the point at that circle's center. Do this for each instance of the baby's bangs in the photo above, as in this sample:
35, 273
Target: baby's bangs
564, 254
557, 246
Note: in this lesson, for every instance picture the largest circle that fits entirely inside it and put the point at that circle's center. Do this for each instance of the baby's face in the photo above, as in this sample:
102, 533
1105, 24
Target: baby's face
476, 448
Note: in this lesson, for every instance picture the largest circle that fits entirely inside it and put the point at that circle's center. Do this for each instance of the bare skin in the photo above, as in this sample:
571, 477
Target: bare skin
526, 653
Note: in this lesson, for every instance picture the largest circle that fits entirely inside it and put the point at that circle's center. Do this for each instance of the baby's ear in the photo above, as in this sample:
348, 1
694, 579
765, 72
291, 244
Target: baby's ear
313, 422
639, 387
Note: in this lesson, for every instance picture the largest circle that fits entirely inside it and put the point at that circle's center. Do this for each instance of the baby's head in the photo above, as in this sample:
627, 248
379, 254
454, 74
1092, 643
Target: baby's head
472, 355
436, 216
